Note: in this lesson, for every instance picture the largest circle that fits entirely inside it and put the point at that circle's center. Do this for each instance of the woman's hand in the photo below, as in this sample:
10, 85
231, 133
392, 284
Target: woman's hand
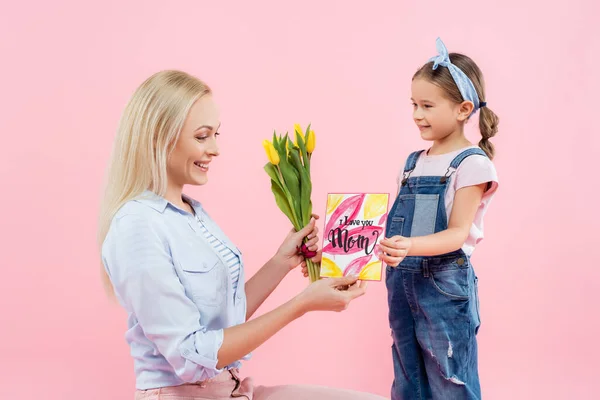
316, 258
289, 254
331, 294
393, 250
323, 295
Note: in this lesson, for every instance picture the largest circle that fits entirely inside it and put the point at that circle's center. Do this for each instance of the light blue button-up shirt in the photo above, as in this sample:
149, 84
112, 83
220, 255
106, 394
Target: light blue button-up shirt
175, 288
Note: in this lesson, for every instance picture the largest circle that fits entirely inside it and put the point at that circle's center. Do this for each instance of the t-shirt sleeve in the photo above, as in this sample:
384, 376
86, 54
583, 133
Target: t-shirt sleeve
475, 170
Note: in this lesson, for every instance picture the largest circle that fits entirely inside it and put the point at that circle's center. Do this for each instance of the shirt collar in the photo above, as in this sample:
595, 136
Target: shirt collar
159, 203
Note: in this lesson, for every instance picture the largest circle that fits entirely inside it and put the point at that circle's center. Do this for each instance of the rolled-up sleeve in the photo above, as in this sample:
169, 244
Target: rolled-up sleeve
139, 263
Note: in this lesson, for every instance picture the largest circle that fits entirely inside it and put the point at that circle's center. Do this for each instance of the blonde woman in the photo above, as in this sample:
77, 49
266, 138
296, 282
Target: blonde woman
178, 276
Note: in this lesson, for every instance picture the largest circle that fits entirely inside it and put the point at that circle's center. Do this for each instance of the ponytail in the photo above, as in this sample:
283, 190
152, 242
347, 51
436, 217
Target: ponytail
488, 126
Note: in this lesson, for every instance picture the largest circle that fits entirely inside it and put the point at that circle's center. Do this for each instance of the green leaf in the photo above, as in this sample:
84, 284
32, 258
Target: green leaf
302, 147
282, 202
291, 144
278, 146
292, 183
281, 148
273, 173
290, 178
305, 187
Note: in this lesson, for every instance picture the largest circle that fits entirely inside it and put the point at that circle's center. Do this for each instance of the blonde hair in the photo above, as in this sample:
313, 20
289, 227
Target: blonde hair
488, 120
148, 131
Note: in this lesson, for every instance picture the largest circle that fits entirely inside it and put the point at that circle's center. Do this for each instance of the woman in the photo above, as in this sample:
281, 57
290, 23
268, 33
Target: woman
178, 276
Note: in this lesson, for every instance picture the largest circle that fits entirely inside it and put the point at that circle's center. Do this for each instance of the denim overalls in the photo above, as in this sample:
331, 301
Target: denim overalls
433, 301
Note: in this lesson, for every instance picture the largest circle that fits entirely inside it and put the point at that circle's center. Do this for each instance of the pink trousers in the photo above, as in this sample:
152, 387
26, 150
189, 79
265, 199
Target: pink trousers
229, 385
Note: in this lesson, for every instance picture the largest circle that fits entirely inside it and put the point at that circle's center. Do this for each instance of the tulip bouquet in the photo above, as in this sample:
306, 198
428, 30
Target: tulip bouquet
289, 170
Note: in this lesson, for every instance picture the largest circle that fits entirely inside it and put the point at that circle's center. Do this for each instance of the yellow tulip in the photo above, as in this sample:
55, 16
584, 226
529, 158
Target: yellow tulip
272, 154
298, 129
310, 142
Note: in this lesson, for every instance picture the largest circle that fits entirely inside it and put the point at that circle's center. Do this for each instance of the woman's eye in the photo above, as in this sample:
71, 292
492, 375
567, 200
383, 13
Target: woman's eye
202, 138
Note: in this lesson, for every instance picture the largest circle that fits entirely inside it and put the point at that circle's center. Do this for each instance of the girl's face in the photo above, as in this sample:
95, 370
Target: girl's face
435, 115
196, 147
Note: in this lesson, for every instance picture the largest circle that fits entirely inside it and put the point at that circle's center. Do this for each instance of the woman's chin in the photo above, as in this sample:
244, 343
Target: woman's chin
198, 180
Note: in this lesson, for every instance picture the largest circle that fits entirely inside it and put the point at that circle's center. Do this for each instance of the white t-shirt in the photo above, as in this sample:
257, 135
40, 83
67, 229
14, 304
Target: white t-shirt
473, 170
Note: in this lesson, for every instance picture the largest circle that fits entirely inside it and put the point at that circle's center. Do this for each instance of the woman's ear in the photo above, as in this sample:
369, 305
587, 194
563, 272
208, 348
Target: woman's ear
464, 111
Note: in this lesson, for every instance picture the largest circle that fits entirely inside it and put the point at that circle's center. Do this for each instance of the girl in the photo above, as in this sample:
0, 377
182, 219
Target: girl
432, 229
178, 276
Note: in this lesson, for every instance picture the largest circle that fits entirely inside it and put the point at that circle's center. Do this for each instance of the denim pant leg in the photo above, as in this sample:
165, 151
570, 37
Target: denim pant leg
410, 380
446, 327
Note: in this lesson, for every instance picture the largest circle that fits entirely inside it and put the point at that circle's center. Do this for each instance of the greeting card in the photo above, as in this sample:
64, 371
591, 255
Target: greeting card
354, 225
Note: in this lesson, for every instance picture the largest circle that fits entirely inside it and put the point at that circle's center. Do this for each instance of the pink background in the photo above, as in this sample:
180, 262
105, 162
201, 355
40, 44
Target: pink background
69, 67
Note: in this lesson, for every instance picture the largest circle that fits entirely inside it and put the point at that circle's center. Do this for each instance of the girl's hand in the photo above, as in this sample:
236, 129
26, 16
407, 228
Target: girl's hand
289, 254
393, 250
331, 294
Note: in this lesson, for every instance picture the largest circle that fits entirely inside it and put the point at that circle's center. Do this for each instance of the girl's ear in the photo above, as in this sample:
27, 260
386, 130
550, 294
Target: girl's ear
465, 109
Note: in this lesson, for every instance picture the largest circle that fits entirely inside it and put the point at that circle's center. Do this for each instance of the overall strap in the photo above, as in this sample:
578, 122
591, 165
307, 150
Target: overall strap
459, 159
410, 165
411, 161
468, 152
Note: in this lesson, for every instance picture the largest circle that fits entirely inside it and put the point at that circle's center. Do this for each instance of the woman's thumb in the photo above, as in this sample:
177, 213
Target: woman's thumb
344, 281
307, 229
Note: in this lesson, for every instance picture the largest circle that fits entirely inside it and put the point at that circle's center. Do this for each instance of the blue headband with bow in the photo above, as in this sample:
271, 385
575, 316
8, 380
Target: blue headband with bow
465, 86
